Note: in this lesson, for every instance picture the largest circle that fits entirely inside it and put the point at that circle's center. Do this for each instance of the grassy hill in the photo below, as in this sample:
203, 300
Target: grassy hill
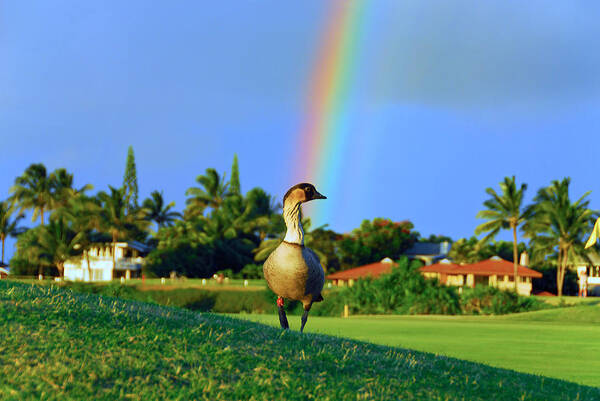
57, 345
560, 343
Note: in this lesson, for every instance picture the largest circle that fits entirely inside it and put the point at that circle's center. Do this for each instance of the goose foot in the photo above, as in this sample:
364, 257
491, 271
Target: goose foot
282, 317
305, 316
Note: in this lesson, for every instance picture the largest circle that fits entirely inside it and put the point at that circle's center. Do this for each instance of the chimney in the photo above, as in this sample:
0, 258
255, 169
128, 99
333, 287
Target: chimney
524, 259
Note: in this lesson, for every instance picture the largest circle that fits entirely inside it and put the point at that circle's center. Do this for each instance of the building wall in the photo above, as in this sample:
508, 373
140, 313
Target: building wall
500, 282
77, 270
101, 264
523, 286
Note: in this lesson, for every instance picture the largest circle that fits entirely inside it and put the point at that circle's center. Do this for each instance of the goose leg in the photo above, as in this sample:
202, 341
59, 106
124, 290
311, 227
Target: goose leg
305, 316
282, 318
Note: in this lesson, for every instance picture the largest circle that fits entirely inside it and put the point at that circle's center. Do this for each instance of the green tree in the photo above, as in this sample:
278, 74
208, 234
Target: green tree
27, 259
375, 240
130, 183
504, 211
211, 194
48, 245
558, 226
234, 182
466, 251
58, 242
436, 239
83, 215
8, 225
157, 211
33, 190
472, 250
62, 188
327, 242
263, 214
114, 218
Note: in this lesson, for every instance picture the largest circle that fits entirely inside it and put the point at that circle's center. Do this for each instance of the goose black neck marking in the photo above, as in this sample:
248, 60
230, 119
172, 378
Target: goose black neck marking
291, 215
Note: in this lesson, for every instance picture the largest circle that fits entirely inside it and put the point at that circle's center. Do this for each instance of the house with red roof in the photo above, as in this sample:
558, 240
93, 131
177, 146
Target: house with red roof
348, 277
3, 270
495, 272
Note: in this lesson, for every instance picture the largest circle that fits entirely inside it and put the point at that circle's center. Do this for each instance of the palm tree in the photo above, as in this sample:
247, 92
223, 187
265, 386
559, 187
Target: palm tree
57, 242
212, 194
263, 213
469, 250
504, 212
157, 211
61, 183
33, 190
83, 213
114, 219
558, 226
8, 226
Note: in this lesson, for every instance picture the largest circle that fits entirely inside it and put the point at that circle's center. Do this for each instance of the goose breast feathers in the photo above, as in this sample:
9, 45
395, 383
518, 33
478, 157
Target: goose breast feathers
294, 271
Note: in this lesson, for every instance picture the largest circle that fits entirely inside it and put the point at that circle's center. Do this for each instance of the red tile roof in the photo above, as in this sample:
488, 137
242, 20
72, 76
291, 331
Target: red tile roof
489, 267
442, 267
373, 270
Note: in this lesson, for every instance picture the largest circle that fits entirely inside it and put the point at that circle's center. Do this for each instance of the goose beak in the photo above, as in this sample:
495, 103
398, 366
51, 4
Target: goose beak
319, 196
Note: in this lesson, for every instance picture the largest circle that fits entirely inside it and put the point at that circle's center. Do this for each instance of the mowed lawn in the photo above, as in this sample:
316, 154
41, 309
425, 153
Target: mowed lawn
60, 345
561, 343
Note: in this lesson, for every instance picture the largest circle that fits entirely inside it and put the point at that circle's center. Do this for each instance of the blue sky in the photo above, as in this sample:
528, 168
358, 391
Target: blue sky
447, 99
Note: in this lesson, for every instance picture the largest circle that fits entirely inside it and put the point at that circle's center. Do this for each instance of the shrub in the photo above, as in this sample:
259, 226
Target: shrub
375, 240
489, 300
404, 290
332, 305
185, 259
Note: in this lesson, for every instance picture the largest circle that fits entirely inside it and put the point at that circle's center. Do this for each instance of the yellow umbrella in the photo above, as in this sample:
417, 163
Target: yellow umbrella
594, 235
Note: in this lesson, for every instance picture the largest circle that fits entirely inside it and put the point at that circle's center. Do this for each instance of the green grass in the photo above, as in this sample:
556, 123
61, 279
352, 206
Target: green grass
59, 345
562, 343
568, 300
156, 283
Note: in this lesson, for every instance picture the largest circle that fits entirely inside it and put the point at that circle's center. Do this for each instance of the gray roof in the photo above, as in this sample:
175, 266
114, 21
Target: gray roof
131, 244
428, 249
139, 246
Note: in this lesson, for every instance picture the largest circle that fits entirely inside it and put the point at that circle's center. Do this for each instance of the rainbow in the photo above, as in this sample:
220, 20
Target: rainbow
324, 131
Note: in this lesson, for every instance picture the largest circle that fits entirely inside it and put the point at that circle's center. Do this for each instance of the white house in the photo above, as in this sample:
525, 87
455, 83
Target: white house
592, 269
129, 259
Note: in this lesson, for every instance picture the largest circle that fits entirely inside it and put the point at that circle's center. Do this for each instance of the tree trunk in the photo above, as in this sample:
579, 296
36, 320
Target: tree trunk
515, 256
42, 214
564, 268
114, 254
3, 239
559, 271
87, 258
61, 269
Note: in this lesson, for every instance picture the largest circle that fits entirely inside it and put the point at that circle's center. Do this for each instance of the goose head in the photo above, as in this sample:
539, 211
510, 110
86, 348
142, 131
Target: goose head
301, 193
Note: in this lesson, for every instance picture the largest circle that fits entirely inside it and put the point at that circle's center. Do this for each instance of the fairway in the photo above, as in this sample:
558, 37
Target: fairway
60, 345
548, 343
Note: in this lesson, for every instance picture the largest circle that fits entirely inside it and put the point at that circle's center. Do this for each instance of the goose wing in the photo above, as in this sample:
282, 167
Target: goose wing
316, 276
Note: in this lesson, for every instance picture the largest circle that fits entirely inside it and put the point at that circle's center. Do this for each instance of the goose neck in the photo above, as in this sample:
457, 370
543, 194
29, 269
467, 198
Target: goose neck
291, 216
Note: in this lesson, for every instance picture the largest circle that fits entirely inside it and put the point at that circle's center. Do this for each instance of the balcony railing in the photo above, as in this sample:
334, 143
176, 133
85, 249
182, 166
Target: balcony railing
128, 264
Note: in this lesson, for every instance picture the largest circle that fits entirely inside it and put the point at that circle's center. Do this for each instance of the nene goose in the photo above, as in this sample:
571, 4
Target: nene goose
292, 270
